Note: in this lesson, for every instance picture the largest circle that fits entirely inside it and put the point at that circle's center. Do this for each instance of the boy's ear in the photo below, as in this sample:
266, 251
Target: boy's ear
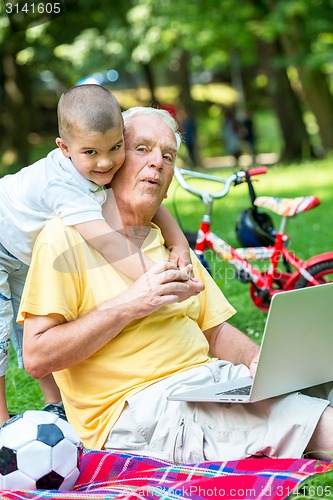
63, 147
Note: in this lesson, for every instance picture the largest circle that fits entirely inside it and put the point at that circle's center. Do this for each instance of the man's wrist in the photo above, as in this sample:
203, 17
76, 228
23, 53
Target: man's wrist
253, 356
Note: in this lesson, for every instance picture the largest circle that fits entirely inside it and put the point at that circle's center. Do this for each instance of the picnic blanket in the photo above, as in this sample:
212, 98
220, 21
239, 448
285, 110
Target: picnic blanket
105, 475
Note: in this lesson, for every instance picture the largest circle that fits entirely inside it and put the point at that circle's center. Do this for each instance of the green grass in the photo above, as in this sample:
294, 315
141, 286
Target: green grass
23, 392
310, 234
317, 487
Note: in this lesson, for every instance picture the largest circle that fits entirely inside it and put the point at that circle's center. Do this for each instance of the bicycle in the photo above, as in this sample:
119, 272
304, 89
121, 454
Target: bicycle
296, 273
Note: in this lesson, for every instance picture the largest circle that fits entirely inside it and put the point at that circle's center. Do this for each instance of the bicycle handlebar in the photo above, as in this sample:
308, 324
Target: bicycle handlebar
236, 178
257, 171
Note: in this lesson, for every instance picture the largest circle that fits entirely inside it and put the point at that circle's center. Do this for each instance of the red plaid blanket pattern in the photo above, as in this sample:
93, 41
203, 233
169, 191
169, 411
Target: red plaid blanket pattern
113, 475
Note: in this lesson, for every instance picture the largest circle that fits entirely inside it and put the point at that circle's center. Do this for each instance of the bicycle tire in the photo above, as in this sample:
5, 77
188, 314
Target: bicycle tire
320, 272
261, 299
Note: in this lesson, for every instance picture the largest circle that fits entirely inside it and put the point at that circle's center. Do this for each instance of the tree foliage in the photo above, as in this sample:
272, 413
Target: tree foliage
288, 43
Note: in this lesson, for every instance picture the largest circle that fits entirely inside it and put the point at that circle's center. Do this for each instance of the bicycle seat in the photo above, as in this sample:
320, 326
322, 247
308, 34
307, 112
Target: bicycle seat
287, 207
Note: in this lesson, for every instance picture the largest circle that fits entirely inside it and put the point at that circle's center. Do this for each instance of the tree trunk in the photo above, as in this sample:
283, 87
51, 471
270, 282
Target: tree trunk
314, 82
320, 101
186, 101
150, 80
297, 144
17, 113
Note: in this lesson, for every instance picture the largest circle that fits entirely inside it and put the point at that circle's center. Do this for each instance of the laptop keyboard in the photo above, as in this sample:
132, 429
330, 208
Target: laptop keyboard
244, 391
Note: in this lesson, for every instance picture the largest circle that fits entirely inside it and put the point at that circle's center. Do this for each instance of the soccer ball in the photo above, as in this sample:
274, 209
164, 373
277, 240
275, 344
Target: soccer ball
38, 451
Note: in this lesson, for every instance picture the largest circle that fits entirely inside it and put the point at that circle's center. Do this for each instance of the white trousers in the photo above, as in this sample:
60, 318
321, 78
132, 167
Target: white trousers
183, 432
12, 278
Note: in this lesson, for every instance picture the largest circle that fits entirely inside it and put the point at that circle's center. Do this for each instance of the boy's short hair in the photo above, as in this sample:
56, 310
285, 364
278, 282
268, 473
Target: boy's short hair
87, 108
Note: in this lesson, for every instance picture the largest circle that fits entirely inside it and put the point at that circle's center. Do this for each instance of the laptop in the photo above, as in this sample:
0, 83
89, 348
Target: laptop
296, 350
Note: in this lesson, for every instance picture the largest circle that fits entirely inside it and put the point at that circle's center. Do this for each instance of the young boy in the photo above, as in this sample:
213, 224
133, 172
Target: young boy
69, 183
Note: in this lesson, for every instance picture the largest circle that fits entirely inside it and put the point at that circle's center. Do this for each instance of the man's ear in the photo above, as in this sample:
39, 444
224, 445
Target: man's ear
63, 147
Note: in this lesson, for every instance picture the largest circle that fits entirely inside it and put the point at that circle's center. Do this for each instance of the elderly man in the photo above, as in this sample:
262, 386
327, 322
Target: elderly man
118, 349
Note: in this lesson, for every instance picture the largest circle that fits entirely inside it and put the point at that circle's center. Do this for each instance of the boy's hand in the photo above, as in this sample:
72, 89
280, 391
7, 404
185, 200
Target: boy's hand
180, 256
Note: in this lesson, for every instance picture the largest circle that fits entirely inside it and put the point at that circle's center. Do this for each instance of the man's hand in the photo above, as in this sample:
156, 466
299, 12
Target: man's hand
195, 285
253, 365
162, 285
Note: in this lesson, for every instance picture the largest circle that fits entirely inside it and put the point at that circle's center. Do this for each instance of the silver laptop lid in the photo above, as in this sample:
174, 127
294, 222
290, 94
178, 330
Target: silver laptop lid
297, 347
296, 350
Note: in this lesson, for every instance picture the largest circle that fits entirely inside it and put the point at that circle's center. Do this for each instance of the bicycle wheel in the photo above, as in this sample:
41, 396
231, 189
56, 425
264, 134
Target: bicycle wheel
262, 298
322, 272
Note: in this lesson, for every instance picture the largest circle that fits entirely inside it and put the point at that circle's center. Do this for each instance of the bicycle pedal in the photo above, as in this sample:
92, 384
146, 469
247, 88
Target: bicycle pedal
243, 276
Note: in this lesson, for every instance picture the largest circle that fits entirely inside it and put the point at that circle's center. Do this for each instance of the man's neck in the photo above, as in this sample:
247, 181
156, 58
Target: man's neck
137, 234
134, 224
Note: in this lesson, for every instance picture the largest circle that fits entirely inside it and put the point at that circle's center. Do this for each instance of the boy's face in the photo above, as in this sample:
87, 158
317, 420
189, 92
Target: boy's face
96, 156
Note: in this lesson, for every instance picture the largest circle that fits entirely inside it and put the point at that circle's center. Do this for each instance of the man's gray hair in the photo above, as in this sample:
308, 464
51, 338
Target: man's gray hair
161, 113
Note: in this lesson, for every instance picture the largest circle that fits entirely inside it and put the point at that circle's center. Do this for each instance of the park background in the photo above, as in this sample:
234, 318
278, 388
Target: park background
269, 59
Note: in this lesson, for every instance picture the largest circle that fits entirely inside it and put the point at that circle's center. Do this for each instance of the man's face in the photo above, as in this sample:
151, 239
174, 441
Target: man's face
151, 150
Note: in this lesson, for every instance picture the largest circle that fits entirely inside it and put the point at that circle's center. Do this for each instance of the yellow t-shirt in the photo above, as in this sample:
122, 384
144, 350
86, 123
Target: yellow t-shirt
69, 277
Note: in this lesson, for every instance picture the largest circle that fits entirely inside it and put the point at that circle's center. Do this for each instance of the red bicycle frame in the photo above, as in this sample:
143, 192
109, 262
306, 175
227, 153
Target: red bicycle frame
263, 284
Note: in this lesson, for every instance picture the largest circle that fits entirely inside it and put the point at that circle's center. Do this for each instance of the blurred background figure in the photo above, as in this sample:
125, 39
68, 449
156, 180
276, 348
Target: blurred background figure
189, 132
169, 107
231, 134
248, 135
